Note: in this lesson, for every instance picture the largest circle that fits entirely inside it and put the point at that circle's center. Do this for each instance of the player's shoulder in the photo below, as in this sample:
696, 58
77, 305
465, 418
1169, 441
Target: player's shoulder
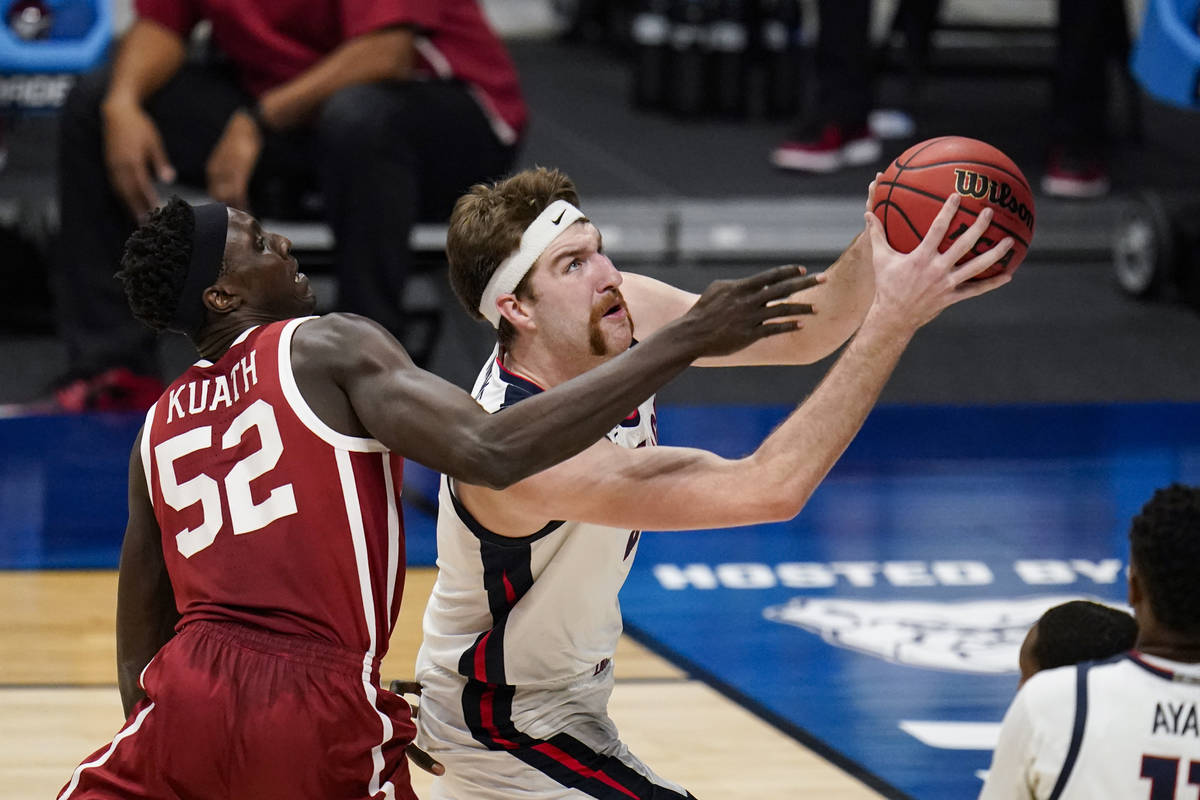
1058, 682
1051, 683
338, 338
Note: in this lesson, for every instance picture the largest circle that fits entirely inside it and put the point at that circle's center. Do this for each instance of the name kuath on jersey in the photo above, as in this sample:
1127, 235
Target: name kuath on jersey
531, 610
225, 390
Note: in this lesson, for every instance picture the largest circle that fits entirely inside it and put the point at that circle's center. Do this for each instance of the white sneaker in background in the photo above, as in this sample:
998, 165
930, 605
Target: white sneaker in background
891, 123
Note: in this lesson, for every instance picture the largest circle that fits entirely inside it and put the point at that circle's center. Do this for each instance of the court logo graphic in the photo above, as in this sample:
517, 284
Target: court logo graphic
976, 636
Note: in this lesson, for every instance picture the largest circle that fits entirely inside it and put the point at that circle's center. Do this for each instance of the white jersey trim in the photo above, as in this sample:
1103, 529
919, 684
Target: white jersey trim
103, 758
145, 448
393, 532
303, 411
358, 538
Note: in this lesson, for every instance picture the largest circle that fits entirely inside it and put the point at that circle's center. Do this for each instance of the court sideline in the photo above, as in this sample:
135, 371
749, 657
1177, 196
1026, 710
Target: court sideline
59, 702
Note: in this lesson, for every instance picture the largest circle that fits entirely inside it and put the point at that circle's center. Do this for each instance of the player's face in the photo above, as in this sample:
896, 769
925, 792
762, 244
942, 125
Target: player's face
577, 302
262, 266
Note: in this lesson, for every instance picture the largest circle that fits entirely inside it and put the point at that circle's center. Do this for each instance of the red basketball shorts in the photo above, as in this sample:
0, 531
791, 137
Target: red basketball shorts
240, 714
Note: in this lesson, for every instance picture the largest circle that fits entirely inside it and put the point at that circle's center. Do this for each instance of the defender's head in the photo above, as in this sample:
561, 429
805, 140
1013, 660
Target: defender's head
189, 266
523, 256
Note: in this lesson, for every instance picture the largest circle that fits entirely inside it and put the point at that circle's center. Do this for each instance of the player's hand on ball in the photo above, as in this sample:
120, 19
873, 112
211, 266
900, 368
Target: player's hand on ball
913, 288
871, 190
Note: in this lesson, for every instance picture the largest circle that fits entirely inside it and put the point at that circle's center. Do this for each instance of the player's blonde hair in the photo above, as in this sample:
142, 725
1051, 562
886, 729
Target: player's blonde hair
486, 227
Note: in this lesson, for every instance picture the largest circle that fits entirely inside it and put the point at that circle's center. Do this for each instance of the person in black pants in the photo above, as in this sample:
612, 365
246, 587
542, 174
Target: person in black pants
1090, 34
392, 109
835, 133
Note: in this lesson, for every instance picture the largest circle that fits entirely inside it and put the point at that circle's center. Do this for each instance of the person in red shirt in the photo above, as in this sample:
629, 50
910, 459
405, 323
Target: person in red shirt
391, 108
263, 561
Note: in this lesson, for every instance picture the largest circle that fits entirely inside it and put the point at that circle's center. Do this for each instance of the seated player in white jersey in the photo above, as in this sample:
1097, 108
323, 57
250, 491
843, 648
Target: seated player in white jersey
522, 625
1127, 727
263, 561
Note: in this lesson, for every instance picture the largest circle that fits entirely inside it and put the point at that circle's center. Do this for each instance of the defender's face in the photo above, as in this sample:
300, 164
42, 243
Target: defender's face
262, 266
576, 299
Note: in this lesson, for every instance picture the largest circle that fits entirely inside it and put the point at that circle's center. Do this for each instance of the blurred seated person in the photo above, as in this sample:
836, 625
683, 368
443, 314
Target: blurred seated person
391, 108
835, 133
1079, 630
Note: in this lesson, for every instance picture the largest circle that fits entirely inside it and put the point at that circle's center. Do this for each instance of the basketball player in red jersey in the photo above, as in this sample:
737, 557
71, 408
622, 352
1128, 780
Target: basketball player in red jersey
263, 562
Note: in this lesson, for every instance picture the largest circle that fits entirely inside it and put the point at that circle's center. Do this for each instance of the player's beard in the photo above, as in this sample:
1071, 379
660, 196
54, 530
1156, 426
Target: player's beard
596, 340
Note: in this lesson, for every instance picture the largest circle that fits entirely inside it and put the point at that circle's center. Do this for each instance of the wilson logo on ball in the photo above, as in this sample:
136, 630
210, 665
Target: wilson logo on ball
969, 183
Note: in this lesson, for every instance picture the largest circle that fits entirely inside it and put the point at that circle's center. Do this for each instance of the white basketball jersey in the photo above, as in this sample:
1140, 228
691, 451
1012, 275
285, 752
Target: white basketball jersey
1127, 728
534, 610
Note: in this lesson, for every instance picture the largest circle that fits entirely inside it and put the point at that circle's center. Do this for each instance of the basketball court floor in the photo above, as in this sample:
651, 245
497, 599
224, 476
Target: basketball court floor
866, 649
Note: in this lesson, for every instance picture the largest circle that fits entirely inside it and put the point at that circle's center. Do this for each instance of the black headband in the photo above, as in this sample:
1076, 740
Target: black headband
208, 250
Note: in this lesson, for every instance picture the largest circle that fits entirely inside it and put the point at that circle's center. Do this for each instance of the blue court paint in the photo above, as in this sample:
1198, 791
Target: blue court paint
63, 488
897, 598
901, 593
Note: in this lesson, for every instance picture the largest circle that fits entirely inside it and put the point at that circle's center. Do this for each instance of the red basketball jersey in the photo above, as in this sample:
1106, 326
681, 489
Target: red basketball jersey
268, 516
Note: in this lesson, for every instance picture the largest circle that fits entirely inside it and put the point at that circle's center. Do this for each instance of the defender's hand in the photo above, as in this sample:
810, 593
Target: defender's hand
733, 314
134, 156
415, 754
232, 161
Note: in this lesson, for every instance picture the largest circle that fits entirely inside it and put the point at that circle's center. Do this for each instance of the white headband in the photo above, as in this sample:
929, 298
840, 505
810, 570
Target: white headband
555, 219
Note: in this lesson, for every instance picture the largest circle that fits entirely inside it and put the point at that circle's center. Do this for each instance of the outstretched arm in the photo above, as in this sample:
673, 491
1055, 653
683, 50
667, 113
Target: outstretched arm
429, 420
146, 613
840, 302
683, 488
134, 153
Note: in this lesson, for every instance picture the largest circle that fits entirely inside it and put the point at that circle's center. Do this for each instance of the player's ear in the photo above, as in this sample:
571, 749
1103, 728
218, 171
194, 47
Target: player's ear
219, 301
1134, 595
515, 310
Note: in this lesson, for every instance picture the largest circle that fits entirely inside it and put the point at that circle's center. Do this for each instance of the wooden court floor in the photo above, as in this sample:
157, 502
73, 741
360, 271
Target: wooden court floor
59, 701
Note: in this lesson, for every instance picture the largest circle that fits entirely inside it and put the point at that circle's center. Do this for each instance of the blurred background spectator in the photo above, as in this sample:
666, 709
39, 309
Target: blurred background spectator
667, 108
390, 109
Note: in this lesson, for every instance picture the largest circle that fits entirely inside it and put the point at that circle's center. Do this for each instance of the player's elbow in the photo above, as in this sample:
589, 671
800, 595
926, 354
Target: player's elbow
482, 462
781, 501
780, 508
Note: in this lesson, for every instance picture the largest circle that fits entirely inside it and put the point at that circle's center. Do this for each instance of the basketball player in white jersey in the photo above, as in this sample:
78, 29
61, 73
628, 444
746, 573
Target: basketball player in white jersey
523, 622
1126, 728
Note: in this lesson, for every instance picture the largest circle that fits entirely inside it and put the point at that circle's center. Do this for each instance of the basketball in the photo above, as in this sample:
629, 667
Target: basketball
911, 191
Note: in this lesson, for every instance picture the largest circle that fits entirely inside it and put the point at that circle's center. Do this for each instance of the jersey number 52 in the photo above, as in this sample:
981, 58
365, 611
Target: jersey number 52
245, 515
